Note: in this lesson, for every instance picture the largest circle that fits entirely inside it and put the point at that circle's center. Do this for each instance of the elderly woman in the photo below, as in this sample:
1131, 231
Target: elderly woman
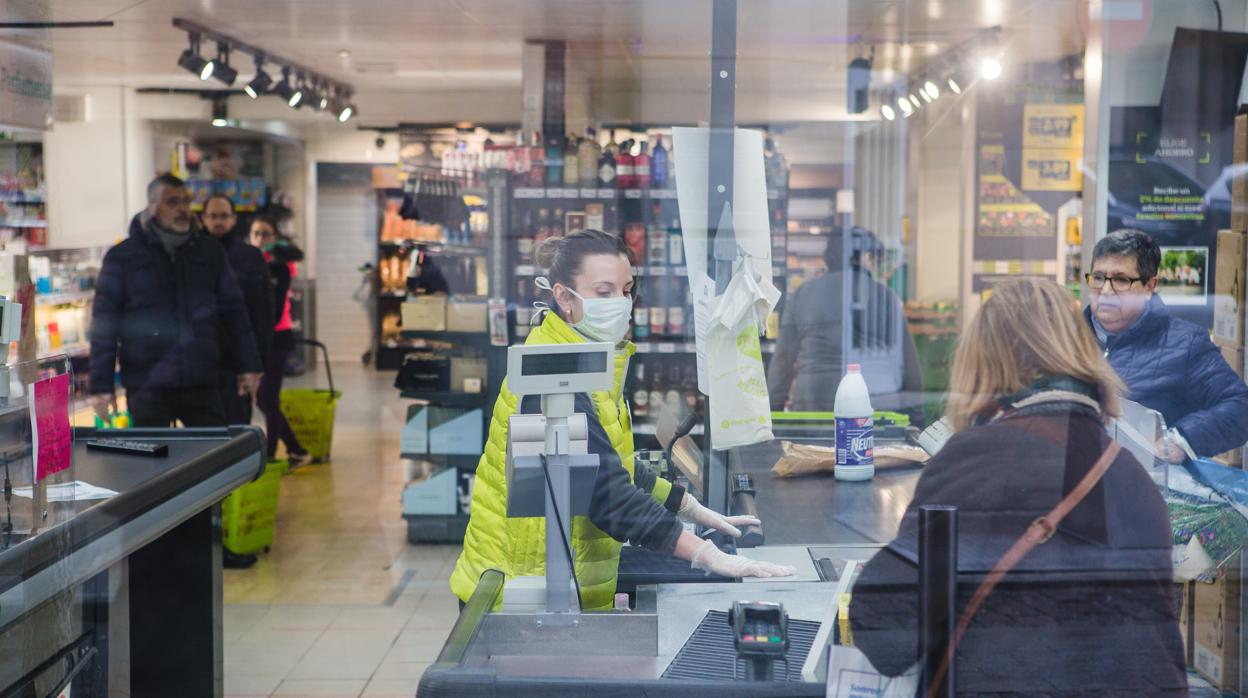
1089, 612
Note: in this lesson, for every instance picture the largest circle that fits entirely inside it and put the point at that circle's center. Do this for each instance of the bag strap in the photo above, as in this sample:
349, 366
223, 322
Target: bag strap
1039, 532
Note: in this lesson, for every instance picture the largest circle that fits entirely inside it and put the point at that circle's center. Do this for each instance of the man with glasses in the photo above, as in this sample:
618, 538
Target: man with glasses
254, 281
165, 301
1169, 365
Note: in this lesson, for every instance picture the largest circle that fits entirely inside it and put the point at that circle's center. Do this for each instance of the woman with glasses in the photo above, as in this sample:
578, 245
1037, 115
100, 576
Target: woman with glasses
589, 289
1168, 364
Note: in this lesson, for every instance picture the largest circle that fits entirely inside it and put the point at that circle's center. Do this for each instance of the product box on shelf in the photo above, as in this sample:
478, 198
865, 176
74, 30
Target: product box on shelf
424, 372
414, 439
465, 369
425, 313
1228, 300
1186, 618
455, 431
1215, 631
466, 314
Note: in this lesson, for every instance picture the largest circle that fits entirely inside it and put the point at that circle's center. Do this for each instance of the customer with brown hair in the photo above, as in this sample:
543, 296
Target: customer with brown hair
1090, 611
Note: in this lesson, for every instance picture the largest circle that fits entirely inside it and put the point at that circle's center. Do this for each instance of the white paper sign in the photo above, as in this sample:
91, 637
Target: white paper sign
25, 86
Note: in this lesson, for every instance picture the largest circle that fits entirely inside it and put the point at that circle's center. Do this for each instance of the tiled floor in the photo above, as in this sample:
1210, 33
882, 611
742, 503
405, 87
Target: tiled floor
342, 605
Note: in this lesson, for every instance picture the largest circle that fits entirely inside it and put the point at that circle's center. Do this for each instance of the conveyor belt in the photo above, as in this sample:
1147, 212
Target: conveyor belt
709, 654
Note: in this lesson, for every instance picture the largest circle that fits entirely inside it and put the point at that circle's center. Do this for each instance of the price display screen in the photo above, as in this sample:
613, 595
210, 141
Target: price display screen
559, 364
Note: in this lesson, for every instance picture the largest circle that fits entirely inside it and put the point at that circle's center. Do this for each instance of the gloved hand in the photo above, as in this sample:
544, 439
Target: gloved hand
691, 510
715, 561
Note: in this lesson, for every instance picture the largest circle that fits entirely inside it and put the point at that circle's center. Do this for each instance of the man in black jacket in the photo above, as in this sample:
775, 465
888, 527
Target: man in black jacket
165, 301
252, 272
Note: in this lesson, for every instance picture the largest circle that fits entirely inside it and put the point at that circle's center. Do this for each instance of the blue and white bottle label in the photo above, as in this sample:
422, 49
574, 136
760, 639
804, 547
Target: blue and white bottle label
855, 441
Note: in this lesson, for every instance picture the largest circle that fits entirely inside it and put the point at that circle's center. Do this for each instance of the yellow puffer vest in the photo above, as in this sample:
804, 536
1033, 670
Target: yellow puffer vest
516, 547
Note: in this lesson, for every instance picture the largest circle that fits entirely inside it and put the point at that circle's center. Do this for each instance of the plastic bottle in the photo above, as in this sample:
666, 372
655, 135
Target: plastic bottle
855, 439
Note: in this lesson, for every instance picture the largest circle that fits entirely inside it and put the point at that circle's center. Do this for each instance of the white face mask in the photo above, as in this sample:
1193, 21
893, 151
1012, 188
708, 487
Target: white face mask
602, 319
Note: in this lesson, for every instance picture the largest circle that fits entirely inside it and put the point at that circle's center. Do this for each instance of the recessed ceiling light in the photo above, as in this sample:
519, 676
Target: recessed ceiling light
344, 53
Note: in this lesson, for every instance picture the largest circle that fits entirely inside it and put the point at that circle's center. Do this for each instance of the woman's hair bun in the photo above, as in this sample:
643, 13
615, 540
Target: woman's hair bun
546, 252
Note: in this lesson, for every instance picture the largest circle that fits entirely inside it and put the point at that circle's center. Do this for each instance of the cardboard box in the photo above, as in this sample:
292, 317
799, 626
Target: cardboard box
466, 314
1228, 301
1186, 618
463, 369
425, 313
1215, 632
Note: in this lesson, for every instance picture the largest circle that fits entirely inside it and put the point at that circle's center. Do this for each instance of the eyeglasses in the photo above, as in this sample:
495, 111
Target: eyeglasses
1096, 280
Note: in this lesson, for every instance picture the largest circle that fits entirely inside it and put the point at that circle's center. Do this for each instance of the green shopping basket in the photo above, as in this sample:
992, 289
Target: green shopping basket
310, 412
249, 513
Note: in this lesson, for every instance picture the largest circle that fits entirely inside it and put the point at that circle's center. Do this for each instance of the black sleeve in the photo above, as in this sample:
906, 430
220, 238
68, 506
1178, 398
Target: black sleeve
783, 364
258, 294
622, 510
884, 612
645, 479
233, 313
281, 286
105, 329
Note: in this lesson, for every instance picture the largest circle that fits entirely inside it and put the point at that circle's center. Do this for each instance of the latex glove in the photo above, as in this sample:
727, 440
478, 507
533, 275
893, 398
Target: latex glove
691, 510
715, 561
104, 404
248, 384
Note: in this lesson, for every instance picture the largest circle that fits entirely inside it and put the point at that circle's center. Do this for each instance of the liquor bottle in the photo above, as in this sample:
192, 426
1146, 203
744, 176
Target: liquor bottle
606, 169
656, 394
641, 167
641, 322
571, 163
524, 239
658, 165
673, 397
641, 394
675, 244
537, 161
635, 238
671, 168
543, 227
676, 316
689, 384
521, 161
624, 170
658, 307
588, 153
656, 241
554, 160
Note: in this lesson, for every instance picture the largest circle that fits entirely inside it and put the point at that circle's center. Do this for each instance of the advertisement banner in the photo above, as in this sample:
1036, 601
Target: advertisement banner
25, 87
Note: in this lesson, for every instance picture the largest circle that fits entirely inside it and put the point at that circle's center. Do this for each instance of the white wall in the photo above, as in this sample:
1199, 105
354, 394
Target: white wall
346, 224
939, 227
85, 165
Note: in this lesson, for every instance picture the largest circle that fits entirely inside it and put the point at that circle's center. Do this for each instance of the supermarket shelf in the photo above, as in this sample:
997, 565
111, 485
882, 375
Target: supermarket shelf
10, 197
393, 294
649, 347
71, 350
592, 193
463, 461
446, 336
648, 428
436, 247
24, 224
532, 270
444, 397
62, 298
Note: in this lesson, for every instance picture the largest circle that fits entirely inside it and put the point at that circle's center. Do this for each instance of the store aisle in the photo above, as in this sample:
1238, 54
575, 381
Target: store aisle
342, 605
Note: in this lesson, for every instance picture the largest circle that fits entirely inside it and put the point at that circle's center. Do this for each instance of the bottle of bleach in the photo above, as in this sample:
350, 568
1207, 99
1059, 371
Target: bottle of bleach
855, 424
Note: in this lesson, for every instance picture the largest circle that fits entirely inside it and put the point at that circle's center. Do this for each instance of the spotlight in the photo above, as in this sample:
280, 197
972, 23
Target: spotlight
220, 115
288, 90
904, 104
259, 84
346, 112
319, 97
915, 100
221, 67
990, 68
926, 97
932, 90
953, 85
888, 112
195, 63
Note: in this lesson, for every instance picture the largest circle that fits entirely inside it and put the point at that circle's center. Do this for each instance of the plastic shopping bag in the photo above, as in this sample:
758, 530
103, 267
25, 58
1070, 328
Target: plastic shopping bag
740, 406
851, 675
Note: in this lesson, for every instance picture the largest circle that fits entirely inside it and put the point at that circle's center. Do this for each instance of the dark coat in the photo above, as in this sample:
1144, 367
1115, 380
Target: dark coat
1170, 365
167, 318
1089, 612
252, 272
809, 360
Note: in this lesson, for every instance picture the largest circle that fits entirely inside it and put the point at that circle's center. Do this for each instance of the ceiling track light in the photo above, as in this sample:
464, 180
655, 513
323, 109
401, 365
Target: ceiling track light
954, 86
990, 68
221, 68
903, 103
193, 62
220, 112
298, 86
260, 83
887, 112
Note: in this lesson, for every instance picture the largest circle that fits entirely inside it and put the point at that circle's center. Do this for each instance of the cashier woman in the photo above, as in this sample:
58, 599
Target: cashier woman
590, 284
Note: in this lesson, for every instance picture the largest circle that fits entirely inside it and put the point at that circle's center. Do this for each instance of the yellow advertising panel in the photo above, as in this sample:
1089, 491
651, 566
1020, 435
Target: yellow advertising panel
1046, 169
1055, 126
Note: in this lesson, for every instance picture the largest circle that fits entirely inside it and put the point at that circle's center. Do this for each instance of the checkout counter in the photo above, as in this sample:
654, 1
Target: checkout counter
122, 595
676, 637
